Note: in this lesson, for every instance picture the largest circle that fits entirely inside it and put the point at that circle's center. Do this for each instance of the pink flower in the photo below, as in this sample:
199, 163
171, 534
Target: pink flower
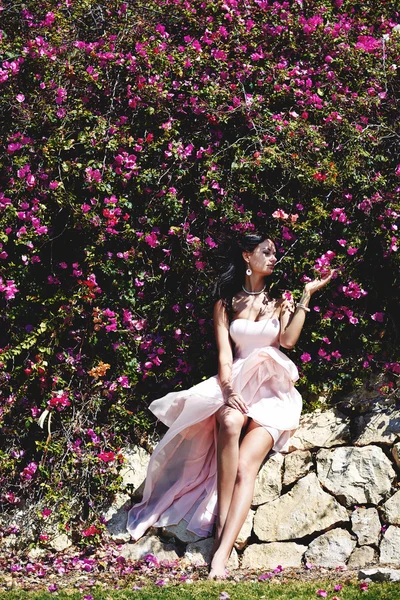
339, 214
219, 54
139, 324
352, 251
151, 240
322, 593
305, 357
29, 471
378, 316
124, 381
106, 456
367, 43
9, 288
280, 214
210, 242
363, 586
92, 530
59, 400
93, 175
353, 290
20, 98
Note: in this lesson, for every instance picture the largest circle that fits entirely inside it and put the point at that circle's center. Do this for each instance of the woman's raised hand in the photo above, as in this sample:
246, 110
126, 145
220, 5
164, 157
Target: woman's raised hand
235, 400
317, 284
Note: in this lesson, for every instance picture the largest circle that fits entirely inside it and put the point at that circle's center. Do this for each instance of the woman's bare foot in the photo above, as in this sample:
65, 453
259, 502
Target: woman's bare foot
218, 568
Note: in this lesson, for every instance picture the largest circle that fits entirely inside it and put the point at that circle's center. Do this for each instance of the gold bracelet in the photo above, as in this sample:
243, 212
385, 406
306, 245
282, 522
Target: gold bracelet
303, 306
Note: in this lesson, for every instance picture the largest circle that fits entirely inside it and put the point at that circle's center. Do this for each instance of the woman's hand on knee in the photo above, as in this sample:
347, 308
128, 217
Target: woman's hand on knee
235, 400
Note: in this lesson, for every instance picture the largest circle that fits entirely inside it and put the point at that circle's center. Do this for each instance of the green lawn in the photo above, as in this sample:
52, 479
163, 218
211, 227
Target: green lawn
221, 591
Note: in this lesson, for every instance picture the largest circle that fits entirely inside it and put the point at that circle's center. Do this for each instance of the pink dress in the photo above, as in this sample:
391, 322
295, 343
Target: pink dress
181, 481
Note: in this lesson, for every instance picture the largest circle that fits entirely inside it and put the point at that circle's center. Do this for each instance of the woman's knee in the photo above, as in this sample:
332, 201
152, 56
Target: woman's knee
230, 421
247, 471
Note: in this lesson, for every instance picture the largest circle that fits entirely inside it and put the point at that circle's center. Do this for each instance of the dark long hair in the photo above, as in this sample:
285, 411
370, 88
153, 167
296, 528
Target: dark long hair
232, 264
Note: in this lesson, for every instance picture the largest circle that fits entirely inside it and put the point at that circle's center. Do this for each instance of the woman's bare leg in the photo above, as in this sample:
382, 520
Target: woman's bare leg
231, 422
255, 446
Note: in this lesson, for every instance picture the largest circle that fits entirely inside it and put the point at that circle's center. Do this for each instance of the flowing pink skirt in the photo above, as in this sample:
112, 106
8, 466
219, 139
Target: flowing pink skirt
181, 481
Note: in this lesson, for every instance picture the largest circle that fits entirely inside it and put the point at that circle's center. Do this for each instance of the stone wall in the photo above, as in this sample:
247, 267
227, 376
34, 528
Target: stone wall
333, 500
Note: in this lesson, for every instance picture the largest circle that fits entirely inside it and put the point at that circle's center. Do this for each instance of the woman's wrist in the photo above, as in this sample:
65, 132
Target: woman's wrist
227, 390
303, 306
305, 298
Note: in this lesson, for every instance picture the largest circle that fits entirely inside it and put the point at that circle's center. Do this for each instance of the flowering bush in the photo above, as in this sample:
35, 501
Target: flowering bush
131, 134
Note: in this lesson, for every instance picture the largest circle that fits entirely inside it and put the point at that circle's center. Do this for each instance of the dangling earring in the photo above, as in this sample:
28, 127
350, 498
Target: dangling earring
249, 271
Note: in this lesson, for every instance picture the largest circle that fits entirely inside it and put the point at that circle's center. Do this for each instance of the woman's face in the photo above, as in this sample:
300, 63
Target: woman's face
263, 258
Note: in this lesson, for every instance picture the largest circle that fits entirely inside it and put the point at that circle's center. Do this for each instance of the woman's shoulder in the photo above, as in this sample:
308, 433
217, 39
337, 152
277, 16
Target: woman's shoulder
220, 308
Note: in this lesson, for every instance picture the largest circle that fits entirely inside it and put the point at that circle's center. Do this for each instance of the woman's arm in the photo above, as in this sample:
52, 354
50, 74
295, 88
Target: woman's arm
225, 358
293, 317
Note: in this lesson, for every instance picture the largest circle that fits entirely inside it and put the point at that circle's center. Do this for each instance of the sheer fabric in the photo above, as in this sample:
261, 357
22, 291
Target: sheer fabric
181, 479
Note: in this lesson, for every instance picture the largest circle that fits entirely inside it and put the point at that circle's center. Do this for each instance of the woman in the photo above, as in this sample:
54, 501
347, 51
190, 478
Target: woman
220, 430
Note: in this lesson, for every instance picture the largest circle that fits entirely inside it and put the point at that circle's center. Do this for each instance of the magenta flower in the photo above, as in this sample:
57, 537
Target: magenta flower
106, 456
151, 240
92, 530
20, 97
9, 288
151, 560
59, 400
29, 471
305, 357
367, 43
265, 576
322, 593
378, 316
124, 381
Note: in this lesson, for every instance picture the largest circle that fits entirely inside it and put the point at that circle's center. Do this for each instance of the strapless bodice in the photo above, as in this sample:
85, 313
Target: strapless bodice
249, 335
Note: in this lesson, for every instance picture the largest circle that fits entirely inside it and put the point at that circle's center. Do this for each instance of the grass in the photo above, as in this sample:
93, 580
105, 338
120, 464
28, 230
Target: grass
213, 591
